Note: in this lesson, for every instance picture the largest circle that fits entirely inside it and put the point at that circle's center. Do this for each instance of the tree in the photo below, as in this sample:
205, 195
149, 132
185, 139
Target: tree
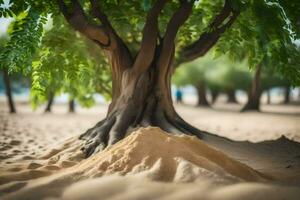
227, 77
141, 74
264, 79
7, 82
71, 106
49, 103
287, 94
194, 73
76, 66
8, 91
231, 96
217, 75
254, 94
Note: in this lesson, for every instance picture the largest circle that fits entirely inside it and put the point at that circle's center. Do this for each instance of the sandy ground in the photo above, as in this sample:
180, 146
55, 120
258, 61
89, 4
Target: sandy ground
36, 156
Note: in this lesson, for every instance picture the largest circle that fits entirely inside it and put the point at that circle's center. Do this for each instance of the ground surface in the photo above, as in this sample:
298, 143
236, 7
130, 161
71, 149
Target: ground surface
26, 135
30, 132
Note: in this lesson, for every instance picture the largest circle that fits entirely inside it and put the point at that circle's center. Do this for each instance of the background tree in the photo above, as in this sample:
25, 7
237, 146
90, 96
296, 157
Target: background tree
8, 92
194, 73
271, 79
228, 77
263, 80
169, 33
6, 80
254, 93
73, 76
49, 102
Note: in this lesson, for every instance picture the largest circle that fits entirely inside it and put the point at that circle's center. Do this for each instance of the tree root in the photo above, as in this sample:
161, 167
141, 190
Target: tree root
114, 128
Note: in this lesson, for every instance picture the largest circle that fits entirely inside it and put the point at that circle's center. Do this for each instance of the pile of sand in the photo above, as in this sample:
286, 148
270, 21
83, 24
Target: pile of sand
149, 163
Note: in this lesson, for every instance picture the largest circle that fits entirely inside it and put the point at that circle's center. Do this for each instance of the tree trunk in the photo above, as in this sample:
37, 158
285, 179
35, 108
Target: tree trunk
72, 106
8, 91
214, 96
201, 92
50, 102
268, 96
141, 89
142, 100
287, 94
231, 96
254, 94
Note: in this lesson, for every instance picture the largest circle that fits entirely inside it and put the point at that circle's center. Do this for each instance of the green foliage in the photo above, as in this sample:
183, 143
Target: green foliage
25, 34
217, 74
270, 79
60, 60
266, 32
76, 71
229, 76
194, 73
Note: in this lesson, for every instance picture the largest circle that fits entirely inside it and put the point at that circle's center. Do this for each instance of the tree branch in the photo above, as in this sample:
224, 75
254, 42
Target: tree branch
208, 39
97, 12
77, 19
116, 40
177, 20
149, 40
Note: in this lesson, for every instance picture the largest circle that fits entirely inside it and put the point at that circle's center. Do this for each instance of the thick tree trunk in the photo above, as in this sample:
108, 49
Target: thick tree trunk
72, 106
142, 100
49, 103
8, 91
231, 96
254, 94
287, 94
201, 92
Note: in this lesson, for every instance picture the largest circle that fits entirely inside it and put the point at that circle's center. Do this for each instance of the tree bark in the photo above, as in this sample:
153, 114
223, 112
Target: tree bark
287, 94
144, 100
201, 92
8, 91
253, 103
72, 106
231, 96
49, 103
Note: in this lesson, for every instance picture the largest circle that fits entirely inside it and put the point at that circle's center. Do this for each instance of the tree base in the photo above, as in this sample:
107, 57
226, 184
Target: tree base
111, 130
250, 107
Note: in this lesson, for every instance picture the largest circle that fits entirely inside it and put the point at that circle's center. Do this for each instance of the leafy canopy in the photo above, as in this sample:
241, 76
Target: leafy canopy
265, 31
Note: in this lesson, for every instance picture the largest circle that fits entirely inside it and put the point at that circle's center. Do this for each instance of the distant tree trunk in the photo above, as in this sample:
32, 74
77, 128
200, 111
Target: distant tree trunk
254, 94
287, 94
268, 96
231, 96
8, 91
201, 92
72, 106
214, 96
50, 102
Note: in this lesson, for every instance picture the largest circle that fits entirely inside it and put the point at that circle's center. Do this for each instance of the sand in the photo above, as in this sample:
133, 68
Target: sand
148, 164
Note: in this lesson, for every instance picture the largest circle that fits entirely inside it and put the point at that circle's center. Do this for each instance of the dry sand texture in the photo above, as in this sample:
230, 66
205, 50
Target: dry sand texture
148, 164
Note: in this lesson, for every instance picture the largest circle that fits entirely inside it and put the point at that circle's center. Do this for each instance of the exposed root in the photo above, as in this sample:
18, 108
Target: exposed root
97, 137
115, 127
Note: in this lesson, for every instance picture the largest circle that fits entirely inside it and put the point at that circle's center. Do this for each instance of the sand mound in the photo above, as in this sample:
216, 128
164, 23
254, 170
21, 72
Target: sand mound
148, 154
151, 146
